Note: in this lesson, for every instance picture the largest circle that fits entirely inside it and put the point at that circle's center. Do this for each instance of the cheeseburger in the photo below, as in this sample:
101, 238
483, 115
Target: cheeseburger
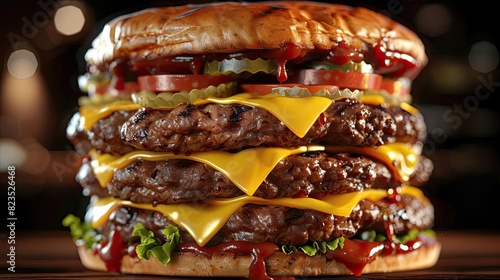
253, 140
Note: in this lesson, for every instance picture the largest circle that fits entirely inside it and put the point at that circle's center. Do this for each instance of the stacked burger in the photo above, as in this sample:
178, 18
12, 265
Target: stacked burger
253, 139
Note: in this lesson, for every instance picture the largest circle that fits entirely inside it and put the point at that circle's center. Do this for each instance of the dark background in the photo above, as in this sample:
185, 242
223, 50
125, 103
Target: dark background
464, 127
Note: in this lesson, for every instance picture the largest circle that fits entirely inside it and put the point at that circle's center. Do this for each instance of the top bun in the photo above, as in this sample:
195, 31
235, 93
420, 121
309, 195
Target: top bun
233, 27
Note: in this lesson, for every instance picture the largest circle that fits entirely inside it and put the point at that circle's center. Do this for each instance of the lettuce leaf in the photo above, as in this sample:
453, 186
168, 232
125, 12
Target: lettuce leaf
371, 235
81, 231
312, 249
152, 245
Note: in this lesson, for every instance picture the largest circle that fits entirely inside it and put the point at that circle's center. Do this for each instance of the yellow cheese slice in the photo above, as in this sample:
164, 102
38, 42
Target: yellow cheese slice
203, 220
247, 169
400, 158
377, 100
298, 114
90, 114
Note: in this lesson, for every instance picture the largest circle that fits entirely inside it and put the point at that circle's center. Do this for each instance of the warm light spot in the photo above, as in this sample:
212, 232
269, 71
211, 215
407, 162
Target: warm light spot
484, 57
13, 153
22, 64
69, 20
433, 19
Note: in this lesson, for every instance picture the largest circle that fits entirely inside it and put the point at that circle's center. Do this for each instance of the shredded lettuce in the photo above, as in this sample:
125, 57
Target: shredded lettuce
152, 245
315, 247
81, 231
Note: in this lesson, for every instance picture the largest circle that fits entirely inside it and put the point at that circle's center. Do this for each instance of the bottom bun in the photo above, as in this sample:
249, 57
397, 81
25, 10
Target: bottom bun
278, 264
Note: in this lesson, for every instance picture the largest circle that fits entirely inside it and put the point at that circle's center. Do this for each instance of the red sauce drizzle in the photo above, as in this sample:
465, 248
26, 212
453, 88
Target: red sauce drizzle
112, 251
393, 63
195, 66
259, 252
356, 254
281, 75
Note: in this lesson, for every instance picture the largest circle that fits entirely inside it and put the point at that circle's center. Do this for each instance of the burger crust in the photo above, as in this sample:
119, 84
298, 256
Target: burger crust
233, 27
225, 264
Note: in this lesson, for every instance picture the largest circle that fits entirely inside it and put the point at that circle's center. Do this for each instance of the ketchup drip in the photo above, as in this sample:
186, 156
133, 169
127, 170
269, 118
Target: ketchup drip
288, 52
393, 63
195, 66
258, 251
112, 251
355, 254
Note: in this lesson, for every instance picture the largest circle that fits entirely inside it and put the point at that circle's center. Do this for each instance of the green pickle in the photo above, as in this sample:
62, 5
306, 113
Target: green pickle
361, 67
171, 100
238, 66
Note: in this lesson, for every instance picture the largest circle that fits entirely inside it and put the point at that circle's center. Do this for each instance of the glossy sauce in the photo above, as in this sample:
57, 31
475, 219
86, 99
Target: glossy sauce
394, 64
112, 251
258, 251
390, 63
356, 254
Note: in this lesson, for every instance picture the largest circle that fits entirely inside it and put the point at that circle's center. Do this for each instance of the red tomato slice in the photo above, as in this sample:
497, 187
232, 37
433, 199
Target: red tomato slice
351, 80
264, 89
400, 87
175, 83
128, 88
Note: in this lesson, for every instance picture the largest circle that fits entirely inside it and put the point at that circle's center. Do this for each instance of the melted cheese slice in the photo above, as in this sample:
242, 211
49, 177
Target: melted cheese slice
400, 158
247, 169
204, 220
91, 114
377, 100
298, 114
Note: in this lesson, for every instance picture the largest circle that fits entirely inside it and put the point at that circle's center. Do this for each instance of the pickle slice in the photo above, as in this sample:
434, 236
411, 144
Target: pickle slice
304, 92
170, 100
238, 66
361, 67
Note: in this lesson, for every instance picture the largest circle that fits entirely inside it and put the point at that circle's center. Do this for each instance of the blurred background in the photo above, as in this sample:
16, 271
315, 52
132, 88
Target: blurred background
42, 49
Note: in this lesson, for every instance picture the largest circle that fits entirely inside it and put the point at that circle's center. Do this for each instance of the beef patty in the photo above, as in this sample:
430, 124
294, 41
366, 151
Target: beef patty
312, 174
188, 128
289, 226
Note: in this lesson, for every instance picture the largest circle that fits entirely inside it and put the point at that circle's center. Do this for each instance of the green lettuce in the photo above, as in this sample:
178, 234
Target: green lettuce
152, 245
371, 235
315, 247
81, 231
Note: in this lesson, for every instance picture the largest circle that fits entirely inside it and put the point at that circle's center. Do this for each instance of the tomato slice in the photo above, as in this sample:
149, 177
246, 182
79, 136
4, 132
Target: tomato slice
176, 83
263, 89
400, 87
351, 80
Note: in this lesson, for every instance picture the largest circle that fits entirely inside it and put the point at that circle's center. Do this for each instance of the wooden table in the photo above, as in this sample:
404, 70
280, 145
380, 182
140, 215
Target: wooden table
52, 255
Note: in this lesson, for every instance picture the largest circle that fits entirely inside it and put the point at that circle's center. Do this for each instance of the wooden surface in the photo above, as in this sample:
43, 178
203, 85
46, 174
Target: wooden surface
52, 255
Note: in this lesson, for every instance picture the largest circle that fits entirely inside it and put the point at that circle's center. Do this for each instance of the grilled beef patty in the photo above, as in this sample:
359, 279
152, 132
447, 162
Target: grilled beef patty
311, 174
188, 128
289, 226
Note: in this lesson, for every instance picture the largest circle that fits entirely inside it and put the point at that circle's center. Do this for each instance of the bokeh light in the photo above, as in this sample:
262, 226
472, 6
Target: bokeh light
484, 57
433, 19
12, 153
69, 20
22, 64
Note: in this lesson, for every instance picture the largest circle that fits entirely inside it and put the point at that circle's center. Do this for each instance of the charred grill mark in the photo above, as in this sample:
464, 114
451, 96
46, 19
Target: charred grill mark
141, 115
237, 110
272, 9
153, 176
187, 112
293, 213
189, 12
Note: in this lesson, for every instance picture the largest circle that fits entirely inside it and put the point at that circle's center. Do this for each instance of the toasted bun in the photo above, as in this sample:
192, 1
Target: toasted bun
233, 27
278, 264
